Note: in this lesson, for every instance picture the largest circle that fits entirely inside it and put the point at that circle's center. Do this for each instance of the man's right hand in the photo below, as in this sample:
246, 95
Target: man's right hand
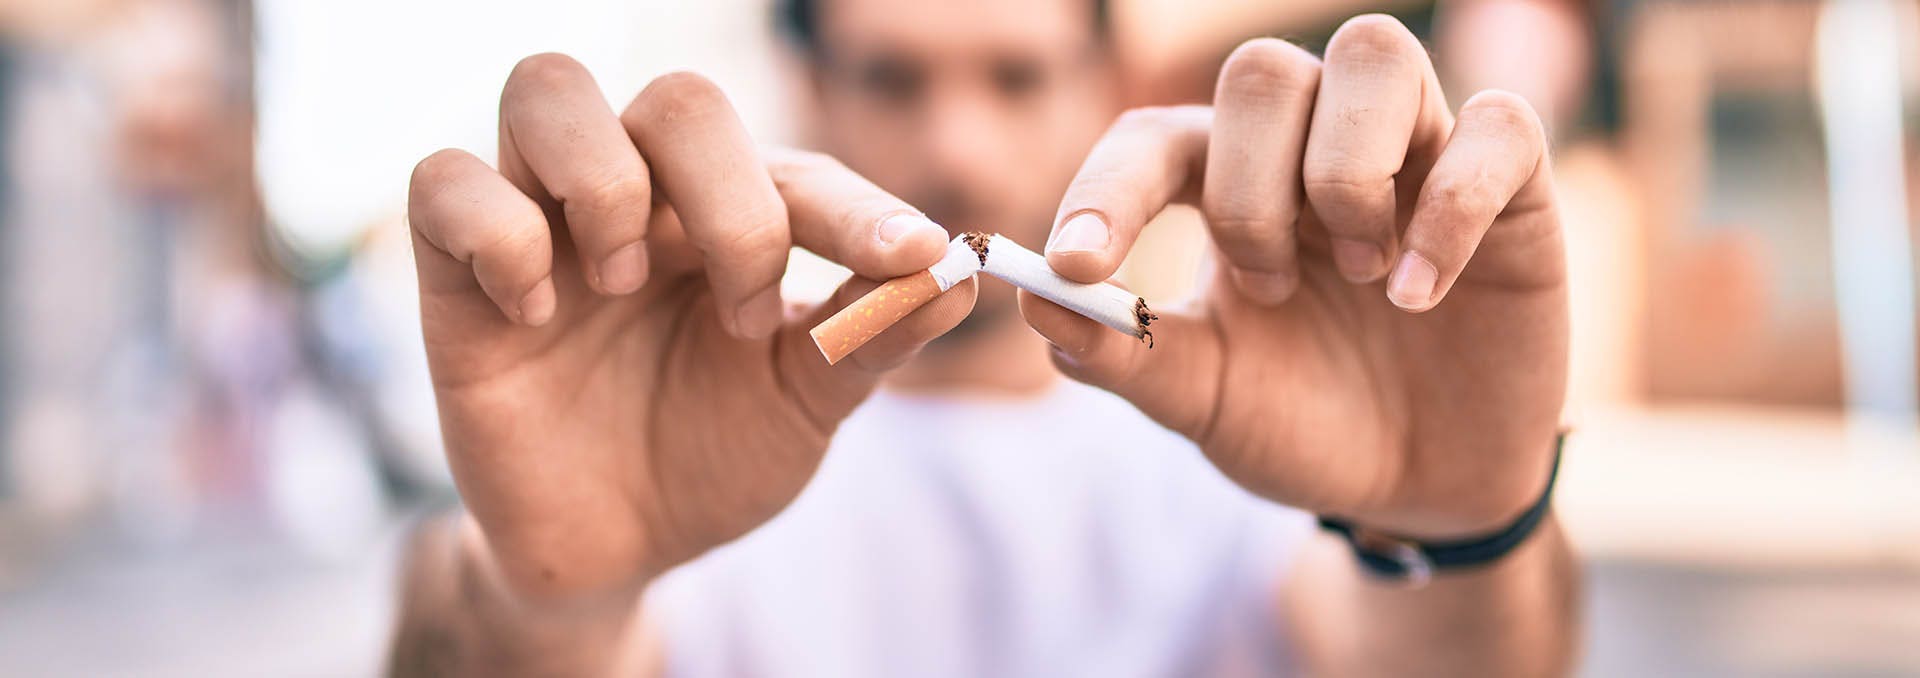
619, 383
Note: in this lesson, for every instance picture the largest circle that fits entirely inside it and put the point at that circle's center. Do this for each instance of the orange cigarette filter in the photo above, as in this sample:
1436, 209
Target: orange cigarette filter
864, 319
860, 322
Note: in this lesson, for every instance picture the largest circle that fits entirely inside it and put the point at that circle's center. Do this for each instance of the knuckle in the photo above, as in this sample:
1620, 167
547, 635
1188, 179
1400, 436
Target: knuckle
1143, 118
1158, 131
1372, 37
474, 219
1504, 110
1164, 120
472, 241
1096, 182
432, 175
1455, 195
617, 201
856, 225
787, 166
1235, 210
1248, 240
509, 244
545, 71
1338, 183
762, 237
437, 169
678, 95
813, 161
502, 235
1265, 67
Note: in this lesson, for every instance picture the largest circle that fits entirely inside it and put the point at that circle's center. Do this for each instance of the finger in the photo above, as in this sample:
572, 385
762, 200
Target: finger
1378, 98
1160, 380
707, 167
1497, 148
838, 214
473, 228
1144, 162
1251, 196
829, 392
559, 140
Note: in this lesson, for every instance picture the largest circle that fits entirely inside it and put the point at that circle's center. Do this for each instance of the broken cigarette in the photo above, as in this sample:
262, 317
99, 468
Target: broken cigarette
1023, 268
968, 254
867, 316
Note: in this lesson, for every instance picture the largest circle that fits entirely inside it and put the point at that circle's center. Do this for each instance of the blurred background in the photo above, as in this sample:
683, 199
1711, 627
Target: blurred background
215, 425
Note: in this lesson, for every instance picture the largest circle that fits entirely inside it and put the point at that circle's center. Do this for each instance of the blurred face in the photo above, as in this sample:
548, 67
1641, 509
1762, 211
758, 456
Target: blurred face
977, 111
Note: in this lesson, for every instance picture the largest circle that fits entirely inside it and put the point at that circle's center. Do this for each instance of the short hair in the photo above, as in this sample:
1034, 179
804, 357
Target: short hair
799, 21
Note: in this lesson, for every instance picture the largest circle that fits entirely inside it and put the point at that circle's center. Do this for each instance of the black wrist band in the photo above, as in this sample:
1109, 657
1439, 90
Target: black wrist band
1415, 562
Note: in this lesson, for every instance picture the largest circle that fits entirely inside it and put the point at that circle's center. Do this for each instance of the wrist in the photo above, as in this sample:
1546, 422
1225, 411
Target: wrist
1469, 500
487, 581
457, 618
521, 631
1416, 557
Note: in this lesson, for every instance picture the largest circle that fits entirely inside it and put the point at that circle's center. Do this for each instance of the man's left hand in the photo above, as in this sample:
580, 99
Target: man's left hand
1344, 356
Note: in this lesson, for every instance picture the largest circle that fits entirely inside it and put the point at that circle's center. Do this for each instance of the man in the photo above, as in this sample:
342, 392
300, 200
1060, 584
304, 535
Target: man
622, 389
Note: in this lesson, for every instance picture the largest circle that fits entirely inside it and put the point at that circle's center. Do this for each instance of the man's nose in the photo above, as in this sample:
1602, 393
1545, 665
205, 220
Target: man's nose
962, 139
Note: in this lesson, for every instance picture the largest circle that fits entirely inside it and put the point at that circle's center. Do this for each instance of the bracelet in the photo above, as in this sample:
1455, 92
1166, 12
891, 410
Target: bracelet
1414, 563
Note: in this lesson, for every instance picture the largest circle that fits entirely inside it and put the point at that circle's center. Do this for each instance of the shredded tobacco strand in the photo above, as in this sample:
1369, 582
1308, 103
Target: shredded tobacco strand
1144, 316
978, 241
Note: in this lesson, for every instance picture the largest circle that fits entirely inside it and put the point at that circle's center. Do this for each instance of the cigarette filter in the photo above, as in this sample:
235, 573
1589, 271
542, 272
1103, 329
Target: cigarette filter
1105, 302
866, 317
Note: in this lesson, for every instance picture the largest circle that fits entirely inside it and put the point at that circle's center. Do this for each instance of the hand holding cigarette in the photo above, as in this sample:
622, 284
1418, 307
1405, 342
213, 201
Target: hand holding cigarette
618, 380
1345, 356
968, 254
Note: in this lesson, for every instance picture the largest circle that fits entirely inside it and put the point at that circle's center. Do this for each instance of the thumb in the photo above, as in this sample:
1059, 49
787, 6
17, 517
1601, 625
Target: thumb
1173, 380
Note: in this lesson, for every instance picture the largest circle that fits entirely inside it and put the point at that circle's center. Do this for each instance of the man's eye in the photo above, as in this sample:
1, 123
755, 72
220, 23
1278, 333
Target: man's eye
1016, 80
891, 82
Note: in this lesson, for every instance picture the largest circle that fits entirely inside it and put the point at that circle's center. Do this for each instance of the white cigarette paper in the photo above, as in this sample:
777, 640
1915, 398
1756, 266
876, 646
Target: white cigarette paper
853, 326
959, 263
1107, 303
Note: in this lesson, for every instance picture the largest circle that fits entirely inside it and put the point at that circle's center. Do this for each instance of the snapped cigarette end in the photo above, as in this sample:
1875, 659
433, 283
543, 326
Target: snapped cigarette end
1142, 317
977, 242
1105, 303
858, 323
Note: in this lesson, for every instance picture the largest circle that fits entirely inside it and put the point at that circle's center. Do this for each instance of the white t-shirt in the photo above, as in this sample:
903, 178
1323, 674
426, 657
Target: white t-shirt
1065, 535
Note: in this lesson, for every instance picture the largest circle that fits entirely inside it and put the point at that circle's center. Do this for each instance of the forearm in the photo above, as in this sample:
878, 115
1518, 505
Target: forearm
458, 618
1515, 617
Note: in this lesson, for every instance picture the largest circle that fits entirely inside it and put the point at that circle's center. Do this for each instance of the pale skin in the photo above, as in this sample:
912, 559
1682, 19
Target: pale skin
589, 390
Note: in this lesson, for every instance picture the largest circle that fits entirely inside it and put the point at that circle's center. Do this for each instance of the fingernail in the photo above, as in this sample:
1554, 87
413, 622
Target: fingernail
760, 315
1267, 287
1085, 232
624, 270
1359, 261
537, 307
1411, 286
901, 226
